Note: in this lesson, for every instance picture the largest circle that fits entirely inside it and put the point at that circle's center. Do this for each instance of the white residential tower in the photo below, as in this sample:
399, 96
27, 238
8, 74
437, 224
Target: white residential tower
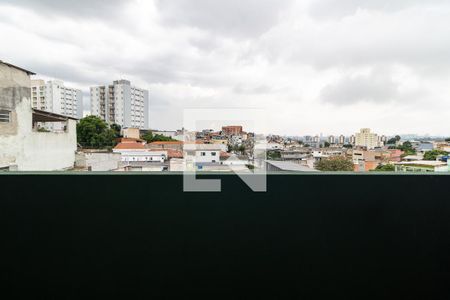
53, 96
121, 103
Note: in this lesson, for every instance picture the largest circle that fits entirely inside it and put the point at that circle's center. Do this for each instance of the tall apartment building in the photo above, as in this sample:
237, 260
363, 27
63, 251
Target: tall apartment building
121, 103
342, 139
367, 139
331, 139
53, 96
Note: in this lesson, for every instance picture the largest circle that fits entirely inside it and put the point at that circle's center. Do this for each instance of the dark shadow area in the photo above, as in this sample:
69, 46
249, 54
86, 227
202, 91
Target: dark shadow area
69, 237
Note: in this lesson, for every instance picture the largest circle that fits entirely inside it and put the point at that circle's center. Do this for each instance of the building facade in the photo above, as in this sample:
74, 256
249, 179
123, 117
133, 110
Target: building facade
232, 130
365, 138
121, 103
55, 97
331, 140
22, 146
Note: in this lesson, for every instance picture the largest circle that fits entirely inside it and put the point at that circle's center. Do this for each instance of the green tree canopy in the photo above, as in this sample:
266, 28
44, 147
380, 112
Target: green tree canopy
150, 138
94, 133
385, 168
433, 155
392, 141
117, 130
273, 155
407, 148
335, 164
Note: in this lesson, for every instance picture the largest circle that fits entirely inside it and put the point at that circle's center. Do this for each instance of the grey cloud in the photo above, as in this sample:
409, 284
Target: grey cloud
235, 18
79, 8
245, 90
376, 87
342, 8
62, 71
367, 41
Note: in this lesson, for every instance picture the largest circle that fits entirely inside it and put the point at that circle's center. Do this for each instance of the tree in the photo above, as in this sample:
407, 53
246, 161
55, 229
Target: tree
326, 145
241, 149
335, 164
150, 138
43, 129
392, 141
273, 155
117, 130
162, 138
447, 140
348, 146
93, 132
407, 149
433, 155
385, 168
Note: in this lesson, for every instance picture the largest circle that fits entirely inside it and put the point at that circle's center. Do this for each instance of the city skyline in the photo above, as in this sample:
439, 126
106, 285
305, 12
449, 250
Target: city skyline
316, 66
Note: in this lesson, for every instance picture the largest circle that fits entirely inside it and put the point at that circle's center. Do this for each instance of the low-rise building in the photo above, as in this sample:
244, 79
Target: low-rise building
422, 166
132, 133
97, 161
23, 145
174, 145
204, 156
232, 130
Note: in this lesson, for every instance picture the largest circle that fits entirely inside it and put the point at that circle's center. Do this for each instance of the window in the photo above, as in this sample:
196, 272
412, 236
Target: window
213, 153
4, 116
203, 154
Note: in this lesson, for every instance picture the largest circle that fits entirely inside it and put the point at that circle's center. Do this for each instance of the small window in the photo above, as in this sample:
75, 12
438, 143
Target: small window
213, 153
4, 116
203, 154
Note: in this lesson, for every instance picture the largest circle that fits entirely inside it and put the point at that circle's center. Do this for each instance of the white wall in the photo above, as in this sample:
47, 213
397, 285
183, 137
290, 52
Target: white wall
37, 151
208, 157
98, 162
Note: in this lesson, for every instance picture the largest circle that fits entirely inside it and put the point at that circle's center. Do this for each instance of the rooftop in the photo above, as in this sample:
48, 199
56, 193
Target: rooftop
428, 163
130, 146
18, 68
45, 116
290, 166
167, 143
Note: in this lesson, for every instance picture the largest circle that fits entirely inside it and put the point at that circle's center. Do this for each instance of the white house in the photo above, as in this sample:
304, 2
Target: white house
203, 153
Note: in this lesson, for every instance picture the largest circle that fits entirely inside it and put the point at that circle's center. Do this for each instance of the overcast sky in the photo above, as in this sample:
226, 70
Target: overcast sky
322, 66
